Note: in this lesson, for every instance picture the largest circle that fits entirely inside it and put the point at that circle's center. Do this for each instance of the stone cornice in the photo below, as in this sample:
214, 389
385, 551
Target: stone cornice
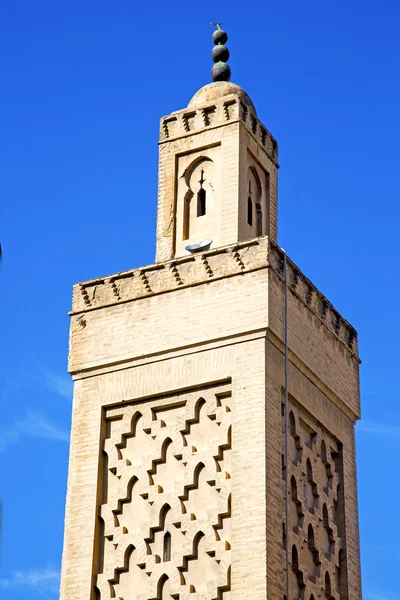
170, 276
224, 111
218, 263
311, 297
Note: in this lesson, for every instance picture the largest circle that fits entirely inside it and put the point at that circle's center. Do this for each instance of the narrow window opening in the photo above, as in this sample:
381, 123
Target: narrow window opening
249, 212
293, 488
201, 197
250, 207
295, 559
311, 542
167, 547
201, 202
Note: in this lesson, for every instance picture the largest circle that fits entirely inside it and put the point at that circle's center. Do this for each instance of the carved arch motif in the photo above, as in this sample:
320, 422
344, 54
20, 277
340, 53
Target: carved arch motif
199, 178
254, 201
316, 518
167, 507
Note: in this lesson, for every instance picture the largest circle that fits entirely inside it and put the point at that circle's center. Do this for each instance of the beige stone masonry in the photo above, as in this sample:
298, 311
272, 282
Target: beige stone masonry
209, 266
222, 112
228, 133
176, 485
227, 306
151, 383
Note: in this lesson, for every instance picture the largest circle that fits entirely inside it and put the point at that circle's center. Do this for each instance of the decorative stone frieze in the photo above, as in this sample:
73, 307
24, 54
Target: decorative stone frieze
222, 111
316, 535
228, 261
165, 518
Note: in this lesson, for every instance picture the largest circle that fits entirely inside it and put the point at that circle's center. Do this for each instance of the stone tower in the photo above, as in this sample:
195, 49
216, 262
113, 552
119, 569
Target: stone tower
178, 481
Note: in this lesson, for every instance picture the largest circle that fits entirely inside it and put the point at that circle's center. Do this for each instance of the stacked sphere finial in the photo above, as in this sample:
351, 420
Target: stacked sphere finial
220, 55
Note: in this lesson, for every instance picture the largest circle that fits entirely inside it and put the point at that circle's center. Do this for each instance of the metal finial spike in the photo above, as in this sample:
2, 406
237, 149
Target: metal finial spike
218, 25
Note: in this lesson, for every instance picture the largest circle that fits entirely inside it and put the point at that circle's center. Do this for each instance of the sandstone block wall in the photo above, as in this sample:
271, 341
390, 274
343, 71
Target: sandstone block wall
195, 346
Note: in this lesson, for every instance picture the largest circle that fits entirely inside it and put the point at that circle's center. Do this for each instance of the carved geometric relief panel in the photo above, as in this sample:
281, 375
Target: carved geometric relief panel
316, 532
165, 515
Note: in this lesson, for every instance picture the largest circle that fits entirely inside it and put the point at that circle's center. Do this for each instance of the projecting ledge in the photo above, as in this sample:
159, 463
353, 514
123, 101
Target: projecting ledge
205, 267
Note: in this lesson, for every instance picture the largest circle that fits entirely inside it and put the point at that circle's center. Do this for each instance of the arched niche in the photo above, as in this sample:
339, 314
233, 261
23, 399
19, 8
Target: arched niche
254, 202
198, 204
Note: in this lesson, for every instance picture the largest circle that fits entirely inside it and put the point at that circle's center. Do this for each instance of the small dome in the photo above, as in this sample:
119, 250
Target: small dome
218, 89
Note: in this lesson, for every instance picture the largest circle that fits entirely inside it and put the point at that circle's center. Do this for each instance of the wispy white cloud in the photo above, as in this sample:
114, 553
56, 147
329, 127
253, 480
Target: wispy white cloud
34, 424
38, 426
35, 379
45, 582
375, 428
61, 384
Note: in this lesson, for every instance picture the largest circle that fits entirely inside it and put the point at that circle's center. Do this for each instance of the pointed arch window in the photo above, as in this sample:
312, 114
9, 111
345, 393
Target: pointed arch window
254, 202
295, 559
197, 185
328, 587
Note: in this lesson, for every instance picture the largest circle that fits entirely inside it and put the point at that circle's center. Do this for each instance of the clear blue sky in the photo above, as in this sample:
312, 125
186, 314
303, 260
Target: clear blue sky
84, 84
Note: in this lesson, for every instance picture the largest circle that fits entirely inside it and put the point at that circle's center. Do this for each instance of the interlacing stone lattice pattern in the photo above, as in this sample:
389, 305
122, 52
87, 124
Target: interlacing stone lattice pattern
316, 512
165, 517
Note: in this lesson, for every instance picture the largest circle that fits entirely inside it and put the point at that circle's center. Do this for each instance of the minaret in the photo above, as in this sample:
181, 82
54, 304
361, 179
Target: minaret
196, 420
